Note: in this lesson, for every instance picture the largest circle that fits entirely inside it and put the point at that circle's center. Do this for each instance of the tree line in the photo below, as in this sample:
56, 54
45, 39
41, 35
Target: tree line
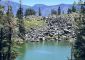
79, 45
70, 10
7, 49
30, 11
6, 30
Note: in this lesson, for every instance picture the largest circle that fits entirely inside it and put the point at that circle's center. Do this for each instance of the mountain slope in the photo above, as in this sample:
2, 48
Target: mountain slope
46, 10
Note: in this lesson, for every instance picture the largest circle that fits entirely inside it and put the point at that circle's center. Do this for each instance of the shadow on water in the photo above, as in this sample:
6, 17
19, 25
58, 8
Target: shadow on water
46, 50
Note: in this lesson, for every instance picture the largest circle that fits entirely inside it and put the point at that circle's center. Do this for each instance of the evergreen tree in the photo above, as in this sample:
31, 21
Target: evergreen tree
69, 11
53, 12
63, 12
1, 15
6, 31
80, 2
83, 9
20, 20
59, 10
79, 47
84, 3
5, 36
1, 10
19, 13
39, 12
74, 3
9, 31
1, 47
30, 11
73, 9
9, 11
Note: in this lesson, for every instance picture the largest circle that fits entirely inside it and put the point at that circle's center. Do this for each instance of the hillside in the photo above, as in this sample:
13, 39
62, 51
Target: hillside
44, 8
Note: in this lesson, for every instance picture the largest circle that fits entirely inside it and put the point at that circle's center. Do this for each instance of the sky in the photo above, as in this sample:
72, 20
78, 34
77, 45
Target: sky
46, 2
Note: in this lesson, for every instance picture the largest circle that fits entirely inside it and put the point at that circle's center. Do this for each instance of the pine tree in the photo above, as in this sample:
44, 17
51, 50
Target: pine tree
74, 3
79, 47
73, 9
63, 12
29, 11
80, 2
39, 12
53, 12
83, 9
1, 14
9, 11
69, 11
20, 20
6, 31
59, 10
20, 13
1, 33
1, 10
6, 34
84, 2
9, 28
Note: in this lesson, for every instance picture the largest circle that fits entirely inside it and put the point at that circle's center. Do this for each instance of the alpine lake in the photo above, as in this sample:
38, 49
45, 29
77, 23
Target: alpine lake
46, 50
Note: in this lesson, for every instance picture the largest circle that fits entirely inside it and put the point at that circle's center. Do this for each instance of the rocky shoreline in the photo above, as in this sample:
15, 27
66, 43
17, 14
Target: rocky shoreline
60, 28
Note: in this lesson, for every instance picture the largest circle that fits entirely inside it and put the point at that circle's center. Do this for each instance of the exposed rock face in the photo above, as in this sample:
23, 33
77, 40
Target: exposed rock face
61, 27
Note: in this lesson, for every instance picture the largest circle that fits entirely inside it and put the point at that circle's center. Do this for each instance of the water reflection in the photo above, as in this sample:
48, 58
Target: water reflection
47, 50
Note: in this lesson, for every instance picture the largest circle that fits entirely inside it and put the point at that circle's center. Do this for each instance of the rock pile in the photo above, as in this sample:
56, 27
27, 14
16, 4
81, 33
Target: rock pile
61, 27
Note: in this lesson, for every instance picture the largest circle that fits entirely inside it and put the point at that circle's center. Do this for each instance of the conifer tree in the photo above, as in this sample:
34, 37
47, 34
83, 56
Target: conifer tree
29, 11
73, 9
79, 46
9, 11
59, 10
20, 12
39, 12
53, 12
20, 20
68, 11
83, 9
80, 2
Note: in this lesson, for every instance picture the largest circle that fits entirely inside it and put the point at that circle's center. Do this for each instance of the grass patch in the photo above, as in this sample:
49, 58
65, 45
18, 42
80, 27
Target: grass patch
34, 23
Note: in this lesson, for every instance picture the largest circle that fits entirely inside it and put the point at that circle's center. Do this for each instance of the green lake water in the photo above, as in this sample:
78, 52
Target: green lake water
45, 51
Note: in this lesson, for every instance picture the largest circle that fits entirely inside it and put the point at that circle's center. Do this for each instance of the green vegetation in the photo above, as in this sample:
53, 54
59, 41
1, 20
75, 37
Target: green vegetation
40, 14
13, 29
8, 45
73, 9
34, 23
20, 21
79, 46
69, 11
53, 12
29, 11
59, 10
